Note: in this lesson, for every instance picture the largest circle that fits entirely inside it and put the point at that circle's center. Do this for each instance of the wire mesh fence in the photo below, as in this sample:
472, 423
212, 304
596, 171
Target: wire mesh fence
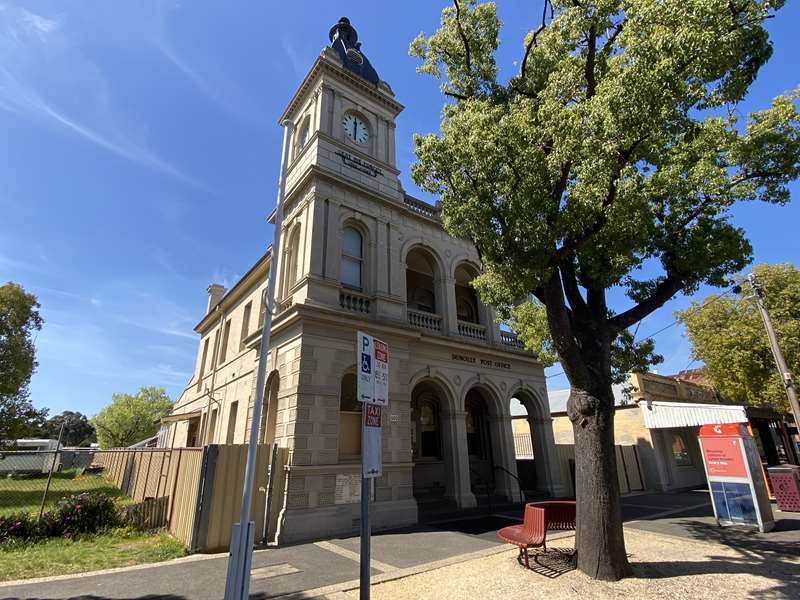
26, 483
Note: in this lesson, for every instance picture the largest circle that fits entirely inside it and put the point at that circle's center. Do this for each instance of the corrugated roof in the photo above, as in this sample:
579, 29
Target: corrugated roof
660, 415
558, 399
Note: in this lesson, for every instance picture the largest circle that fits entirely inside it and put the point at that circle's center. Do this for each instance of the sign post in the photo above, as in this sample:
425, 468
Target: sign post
373, 392
733, 467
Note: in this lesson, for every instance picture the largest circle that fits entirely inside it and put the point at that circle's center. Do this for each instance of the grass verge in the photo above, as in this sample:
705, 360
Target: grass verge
25, 494
115, 548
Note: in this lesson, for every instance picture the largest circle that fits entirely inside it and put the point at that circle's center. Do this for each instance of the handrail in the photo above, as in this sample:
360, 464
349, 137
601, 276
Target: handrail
519, 483
488, 493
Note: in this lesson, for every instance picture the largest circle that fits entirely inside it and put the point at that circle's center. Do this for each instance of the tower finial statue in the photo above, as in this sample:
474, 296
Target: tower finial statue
344, 39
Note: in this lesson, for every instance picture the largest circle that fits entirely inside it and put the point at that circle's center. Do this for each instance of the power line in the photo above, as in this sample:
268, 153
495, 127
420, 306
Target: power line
672, 324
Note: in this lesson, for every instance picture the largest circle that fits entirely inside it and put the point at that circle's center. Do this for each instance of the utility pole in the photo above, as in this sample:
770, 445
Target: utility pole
780, 361
237, 584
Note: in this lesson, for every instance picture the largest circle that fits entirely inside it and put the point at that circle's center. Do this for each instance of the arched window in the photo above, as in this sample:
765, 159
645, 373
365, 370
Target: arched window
420, 281
352, 258
305, 134
292, 261
349, 419
466, 298
425, 434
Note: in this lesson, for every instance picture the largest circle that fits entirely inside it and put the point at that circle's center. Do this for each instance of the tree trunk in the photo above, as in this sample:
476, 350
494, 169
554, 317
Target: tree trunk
599, 538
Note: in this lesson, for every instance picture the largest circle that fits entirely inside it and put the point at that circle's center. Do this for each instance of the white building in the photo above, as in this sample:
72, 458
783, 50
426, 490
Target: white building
359, 253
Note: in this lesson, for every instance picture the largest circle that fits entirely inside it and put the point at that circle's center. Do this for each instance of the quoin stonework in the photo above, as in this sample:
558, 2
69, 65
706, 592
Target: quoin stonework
358, 253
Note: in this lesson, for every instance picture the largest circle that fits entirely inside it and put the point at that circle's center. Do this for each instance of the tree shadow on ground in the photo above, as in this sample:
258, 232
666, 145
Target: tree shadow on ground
553, 563
758, 555
93, 597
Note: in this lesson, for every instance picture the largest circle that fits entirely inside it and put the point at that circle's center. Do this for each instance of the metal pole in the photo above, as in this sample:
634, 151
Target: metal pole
237, 585
50, 474
780, 361
364, 572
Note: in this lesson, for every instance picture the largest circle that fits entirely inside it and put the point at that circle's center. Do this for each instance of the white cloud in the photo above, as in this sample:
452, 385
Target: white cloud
38, 23
37, 60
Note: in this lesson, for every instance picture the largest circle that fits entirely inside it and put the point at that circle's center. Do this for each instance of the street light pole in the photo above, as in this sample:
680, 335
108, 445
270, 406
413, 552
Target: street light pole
237, 585
780, 361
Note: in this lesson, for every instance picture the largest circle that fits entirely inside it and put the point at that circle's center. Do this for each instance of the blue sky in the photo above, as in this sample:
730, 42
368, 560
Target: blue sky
139, 154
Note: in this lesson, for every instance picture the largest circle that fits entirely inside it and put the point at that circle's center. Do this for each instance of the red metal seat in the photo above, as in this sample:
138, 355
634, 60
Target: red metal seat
539, 518
531, 534
559, 514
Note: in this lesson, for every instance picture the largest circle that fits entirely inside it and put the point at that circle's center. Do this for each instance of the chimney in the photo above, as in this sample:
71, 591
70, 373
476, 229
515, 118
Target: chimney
215, 294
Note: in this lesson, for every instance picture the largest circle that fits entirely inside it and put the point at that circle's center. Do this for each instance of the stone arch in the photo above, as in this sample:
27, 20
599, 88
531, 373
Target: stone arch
492, 392
269, 409
437, 378
291, 258
496, 468
435, 474
425, 288
349, 438
547, 478
418, 242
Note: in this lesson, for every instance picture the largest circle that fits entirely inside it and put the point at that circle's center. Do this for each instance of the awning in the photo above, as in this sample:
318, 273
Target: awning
659, 415
181, 417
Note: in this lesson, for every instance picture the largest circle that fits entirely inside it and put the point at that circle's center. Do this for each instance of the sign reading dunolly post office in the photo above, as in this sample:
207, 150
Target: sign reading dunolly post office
373, 391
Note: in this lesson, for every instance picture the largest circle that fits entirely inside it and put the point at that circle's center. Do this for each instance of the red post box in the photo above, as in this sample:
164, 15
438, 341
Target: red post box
733, 468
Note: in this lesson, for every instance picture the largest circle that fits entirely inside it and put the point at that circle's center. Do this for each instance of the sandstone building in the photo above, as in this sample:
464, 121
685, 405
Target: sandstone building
359, 253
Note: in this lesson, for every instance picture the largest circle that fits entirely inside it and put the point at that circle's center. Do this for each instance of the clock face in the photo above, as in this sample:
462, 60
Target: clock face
355, 129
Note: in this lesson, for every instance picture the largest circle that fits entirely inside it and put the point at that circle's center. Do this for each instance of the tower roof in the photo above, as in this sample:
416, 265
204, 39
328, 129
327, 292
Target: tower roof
344, 39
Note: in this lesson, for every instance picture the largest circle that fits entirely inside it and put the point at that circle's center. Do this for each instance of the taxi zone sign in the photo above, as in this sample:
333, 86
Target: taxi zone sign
373, 391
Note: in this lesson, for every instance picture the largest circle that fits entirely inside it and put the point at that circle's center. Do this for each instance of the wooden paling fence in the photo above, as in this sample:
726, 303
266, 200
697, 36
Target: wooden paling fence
629, 470
169, 476
196, 492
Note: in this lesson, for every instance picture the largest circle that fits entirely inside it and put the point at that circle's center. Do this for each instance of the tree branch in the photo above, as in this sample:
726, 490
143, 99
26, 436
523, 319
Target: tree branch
529, 46
591, 52
609, 43
467, 58
575, 244
561, 328
663, 291
570, 281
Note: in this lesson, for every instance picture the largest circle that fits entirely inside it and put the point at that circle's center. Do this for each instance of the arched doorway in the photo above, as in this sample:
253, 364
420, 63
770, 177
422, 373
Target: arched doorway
479, 444
533, 444
432, 475
269, 410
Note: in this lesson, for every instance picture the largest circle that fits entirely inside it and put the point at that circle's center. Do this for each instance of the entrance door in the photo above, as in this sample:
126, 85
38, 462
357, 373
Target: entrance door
429, 473
479, 447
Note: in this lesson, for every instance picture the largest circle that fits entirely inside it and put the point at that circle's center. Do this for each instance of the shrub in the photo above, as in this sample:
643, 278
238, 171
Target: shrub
85, 513
17, 526
82, 513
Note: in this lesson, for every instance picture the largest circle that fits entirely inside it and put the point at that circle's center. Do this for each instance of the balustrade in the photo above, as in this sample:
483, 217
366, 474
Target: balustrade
425, 320
472, 330
354, 301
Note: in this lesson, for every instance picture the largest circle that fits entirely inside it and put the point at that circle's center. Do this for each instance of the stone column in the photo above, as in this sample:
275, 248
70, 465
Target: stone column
502, 436
548, 475
448, 309
457, 458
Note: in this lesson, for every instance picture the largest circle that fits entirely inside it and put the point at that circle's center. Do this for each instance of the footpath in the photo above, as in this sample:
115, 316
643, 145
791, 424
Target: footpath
671, 537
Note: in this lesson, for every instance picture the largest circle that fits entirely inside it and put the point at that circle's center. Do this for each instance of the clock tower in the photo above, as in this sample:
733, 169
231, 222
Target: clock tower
344, 119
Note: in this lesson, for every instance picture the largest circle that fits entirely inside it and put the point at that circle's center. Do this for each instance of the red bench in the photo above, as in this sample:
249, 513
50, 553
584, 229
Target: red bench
553, 515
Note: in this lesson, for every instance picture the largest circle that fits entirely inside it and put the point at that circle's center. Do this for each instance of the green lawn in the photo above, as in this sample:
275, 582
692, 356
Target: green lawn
57, 556
25, 494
